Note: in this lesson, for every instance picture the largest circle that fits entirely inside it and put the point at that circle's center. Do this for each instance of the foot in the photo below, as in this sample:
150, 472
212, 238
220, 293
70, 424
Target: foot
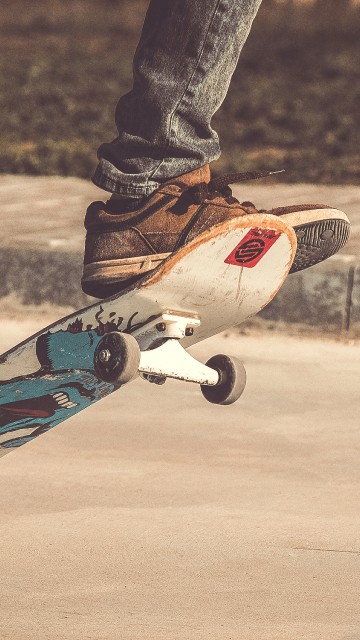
121, 247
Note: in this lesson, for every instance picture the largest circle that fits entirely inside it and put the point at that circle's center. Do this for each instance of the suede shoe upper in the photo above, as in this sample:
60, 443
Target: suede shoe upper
173, 215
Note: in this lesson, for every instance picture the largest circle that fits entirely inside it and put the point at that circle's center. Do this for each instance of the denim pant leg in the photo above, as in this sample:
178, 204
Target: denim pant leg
183, 65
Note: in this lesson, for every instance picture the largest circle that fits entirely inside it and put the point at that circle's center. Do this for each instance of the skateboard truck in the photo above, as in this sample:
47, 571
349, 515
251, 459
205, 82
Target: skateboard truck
168, 325
154, 351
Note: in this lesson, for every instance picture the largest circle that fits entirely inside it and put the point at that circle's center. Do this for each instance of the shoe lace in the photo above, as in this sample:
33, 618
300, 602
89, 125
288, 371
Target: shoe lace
219, 187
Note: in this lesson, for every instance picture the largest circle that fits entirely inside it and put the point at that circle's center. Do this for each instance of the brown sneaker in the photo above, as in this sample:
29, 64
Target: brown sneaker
121, 247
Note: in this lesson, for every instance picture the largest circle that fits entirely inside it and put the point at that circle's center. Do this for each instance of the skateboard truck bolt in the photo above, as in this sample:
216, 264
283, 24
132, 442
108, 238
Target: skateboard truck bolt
161, 326
104, 355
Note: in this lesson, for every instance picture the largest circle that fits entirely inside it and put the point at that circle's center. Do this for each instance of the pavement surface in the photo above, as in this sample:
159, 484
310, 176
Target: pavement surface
156, 515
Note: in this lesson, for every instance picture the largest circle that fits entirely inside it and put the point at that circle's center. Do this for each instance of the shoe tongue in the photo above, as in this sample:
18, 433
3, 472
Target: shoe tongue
193, 177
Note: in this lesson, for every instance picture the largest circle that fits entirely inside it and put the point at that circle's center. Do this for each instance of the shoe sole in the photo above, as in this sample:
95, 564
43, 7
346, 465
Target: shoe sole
321, 233
104, 279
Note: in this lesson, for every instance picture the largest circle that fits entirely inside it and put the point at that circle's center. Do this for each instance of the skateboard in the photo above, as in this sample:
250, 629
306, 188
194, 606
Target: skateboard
218, 280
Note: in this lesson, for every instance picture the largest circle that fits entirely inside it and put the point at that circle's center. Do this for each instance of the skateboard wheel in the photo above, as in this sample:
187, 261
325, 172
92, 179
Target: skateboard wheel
232, 380
117, 358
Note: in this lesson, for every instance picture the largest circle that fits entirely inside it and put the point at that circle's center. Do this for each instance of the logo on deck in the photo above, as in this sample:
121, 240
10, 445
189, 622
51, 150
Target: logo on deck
253, 247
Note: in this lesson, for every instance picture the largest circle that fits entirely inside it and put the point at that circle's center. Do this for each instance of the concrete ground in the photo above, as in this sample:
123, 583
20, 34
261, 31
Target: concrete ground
155, 515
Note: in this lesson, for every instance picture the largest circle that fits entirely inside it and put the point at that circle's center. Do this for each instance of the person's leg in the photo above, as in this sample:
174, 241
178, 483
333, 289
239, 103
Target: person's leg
183, 65
158, 168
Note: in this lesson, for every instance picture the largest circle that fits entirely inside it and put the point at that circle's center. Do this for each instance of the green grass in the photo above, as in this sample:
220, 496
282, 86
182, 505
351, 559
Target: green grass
293, 103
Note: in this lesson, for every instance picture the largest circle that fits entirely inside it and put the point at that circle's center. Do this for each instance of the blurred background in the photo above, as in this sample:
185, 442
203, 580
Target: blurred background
293, 104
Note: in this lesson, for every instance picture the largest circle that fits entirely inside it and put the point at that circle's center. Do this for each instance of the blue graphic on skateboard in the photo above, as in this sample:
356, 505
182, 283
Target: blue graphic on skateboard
64, 384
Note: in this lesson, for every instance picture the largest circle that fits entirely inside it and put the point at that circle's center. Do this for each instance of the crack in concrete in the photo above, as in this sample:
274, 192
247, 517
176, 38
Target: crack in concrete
329, 550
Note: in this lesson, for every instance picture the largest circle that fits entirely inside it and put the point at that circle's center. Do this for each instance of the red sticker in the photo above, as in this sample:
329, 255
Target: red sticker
253, 247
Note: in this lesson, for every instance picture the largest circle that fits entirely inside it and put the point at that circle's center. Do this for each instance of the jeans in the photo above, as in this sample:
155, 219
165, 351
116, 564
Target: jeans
183, 65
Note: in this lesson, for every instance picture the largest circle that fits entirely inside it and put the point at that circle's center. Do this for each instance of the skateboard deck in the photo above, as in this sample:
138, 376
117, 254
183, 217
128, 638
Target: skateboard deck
221, 278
